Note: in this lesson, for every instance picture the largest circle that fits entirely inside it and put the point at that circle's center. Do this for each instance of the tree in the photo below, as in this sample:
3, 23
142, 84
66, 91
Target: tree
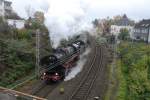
124, 34
39, 17
4, 28
95, 23
29, 10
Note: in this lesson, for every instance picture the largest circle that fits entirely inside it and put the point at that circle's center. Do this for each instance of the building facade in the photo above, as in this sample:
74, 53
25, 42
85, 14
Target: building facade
2, 11
5, 8
19, 24
123, 23
142, 31
115, 30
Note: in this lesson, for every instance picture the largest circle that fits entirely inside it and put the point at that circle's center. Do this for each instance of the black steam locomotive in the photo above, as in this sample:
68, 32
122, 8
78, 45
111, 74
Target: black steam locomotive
57, 65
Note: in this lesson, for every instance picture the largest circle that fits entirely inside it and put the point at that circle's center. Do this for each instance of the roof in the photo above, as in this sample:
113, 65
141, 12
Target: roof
125, 16
124, 21
143, 24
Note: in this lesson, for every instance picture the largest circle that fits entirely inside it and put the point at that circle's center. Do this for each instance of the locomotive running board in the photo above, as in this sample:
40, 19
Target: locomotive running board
19, 94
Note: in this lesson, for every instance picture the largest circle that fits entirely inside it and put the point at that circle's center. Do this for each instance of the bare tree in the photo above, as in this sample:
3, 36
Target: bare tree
29, 10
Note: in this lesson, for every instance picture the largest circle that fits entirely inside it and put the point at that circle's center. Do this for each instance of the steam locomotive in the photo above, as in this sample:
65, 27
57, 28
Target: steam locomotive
57, 65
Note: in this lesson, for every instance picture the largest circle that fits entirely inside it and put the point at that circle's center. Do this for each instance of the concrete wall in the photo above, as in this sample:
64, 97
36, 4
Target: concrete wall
16, 23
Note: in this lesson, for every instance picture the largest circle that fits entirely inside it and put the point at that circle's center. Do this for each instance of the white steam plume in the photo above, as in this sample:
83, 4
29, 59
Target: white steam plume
78, 68
63, 18
64, 21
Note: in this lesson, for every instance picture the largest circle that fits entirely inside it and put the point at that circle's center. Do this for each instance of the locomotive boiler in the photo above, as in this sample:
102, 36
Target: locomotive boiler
57, 65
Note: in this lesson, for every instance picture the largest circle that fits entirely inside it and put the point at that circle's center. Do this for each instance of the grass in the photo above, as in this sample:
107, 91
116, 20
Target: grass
111, 84
122, 88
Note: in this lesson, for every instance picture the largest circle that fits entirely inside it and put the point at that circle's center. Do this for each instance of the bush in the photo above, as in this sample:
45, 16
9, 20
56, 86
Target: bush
124, 34
24, 34
135, 66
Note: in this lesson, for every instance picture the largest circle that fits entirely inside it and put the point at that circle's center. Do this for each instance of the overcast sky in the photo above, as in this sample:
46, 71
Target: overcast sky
135, 9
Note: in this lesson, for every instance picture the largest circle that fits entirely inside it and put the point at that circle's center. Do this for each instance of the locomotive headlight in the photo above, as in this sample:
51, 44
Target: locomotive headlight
56, 73
44, 73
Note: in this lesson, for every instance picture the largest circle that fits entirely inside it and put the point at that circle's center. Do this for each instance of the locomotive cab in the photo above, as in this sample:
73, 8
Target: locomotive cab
48, 60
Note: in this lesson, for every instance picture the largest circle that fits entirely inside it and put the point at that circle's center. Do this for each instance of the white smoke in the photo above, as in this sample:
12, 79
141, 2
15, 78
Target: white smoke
63, 18
66, 19
78, 68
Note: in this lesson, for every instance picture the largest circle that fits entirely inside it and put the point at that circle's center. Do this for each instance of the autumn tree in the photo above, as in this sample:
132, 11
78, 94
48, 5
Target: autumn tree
124, 34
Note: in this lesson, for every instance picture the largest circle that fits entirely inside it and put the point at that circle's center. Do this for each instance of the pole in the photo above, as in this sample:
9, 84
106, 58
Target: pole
37, 68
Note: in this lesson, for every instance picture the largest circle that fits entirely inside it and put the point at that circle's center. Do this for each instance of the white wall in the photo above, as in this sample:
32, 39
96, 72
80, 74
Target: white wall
115, 30
16, 23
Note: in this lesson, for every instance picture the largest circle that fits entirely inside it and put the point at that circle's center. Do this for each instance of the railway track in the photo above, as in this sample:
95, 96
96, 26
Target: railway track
83, 90
42, 89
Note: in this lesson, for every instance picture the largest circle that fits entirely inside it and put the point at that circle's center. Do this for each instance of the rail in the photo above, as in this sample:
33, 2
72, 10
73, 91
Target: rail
83, 90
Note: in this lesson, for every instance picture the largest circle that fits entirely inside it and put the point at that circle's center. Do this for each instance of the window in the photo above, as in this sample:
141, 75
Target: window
144, 30
137, 30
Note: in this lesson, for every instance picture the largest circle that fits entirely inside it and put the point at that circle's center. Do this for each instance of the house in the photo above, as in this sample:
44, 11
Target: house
6, 11
5, 8
142, 31
115, 30
19, 24
124, 22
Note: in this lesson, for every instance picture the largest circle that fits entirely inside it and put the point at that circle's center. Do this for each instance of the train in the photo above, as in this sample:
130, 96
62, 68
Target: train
58, 64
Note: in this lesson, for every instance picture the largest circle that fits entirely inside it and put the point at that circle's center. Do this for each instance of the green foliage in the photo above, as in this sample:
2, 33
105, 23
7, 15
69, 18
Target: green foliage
135, 66
24, 34
95, 23
124, 34
17, 59
17, 51
122, 90
4, 28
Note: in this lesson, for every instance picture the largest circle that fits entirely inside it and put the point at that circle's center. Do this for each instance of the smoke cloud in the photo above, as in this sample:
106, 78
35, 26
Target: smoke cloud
65, 21
63, 18
78, 68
